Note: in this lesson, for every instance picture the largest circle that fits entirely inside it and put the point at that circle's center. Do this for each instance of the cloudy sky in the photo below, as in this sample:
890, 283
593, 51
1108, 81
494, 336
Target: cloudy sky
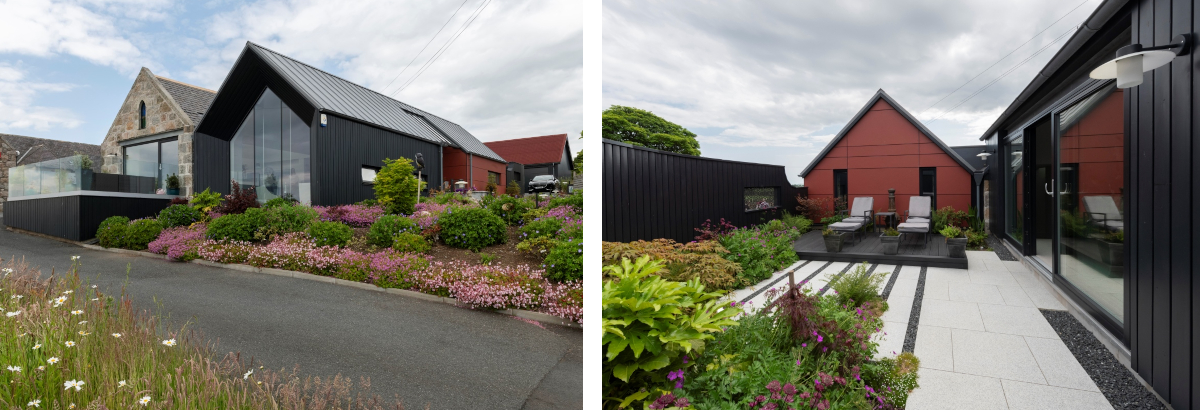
775, 81
515, 71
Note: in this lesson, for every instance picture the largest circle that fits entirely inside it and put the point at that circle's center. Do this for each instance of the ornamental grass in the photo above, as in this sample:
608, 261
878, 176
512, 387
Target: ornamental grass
67, 345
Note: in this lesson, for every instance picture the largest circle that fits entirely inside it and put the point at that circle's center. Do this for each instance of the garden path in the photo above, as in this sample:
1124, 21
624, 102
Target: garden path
982, 342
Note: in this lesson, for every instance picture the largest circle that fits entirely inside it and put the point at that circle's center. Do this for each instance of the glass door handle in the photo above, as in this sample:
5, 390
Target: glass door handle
1046, 187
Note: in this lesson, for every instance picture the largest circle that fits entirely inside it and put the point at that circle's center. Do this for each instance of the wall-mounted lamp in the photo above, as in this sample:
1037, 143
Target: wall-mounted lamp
1133, 60
984, 154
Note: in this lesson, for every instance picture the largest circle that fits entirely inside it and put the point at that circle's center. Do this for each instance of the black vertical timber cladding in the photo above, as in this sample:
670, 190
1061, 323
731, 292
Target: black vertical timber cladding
210, 164
1143, 220
1180, 72
1161, 84
76, 217
344, 146
650, 194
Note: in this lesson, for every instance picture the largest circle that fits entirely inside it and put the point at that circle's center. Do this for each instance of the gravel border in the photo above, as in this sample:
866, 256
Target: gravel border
910, 337
835, 277
1000, 249
887, 290
772, 284
1115, 381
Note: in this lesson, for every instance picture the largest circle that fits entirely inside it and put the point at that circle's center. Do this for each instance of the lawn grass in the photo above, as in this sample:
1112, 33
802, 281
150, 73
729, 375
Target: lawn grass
65, 344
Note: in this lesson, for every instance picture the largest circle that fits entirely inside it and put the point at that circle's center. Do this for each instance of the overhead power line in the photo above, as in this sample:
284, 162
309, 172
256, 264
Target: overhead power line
442, 50
1005, 56
389, 84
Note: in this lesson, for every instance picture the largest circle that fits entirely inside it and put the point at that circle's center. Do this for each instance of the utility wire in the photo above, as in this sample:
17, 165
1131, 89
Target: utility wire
446, 46
1006, 73
1005, 56
426, 45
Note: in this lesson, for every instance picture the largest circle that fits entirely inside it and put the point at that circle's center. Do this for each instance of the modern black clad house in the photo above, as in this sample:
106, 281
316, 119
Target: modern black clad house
285, 127
1096, 187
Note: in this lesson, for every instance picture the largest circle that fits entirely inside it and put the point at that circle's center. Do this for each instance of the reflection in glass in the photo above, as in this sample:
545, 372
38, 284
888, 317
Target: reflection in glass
142, 160
1015, 187
170, 161
270, 151
1044, 186
1091, 198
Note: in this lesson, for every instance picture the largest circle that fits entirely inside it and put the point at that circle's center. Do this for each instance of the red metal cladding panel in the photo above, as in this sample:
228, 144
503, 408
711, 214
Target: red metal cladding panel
1101, 178
1108, 154
830, 163
480, 173
884, 127
953, 180
939, 160
882, 150
838, 150
1108, 116
819, 182
929, 148
894, 161
877, 181
958, 202
454, 157
881, 105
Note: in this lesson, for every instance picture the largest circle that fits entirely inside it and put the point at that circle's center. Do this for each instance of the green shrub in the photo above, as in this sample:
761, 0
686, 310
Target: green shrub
328, 233
950, 232
799, 222
858, 286
760, 252
833, 219
891, 232
235, 227
396, 186
897, 376
140, 233
387, 227
367, 202
537, 246
976, 240
565, 261
947, 216
513, 189
510, 209
111, 232
283, 218
541, 227
179, 215
650, 324
285, 200
410, 242
206, 201
472, 228
486, 258
700, 260
575, 200
450, 198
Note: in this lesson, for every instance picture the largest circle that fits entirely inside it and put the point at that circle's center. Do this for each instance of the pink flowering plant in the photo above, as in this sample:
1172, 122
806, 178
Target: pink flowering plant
360, 216
180, 243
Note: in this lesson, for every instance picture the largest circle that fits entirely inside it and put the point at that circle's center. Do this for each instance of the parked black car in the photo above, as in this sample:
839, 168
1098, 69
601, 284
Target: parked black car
543, 183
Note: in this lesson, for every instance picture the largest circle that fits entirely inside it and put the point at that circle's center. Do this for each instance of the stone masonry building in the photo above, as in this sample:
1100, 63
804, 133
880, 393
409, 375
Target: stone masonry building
20, 150
153, 129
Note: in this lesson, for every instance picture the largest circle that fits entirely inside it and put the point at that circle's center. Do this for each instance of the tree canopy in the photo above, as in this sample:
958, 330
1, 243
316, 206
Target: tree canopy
640, 127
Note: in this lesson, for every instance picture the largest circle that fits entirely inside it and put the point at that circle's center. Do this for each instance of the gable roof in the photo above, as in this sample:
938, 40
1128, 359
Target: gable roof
47, 149
970, 153
330, 93
882, 95
193, 100
532, 150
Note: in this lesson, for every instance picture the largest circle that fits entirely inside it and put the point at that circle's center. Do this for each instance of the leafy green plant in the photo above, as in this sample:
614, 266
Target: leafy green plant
472, 228
832, 219
384, 230
565, 260
760, 251
798, 222
240, 199
111, 232
513, 189
896, 376
510, 209
1074, 226
976, 239
486, 258
828, 232
858, 286
284, 218
140, 233
950, 231
575, 200
700, 260
235, 227
328, 233
948, 216
650, 324
537, 246
172, 181
410, 242
1115, 236
891, 232
276, 202
541, 227
396, 186
206, 201
180, 215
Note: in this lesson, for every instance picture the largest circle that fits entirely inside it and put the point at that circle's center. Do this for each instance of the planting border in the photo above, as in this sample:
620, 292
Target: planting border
523, 314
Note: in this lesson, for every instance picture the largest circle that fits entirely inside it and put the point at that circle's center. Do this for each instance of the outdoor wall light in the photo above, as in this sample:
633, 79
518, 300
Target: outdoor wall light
1133, 60
985, 154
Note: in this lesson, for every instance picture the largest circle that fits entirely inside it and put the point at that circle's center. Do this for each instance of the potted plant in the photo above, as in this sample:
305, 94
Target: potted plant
1114, 251
833, 240
172, 184
956, 242
891, 241
85, 172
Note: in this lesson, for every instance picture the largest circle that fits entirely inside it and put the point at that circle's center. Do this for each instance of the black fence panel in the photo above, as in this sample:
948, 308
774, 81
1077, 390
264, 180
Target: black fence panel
649, 194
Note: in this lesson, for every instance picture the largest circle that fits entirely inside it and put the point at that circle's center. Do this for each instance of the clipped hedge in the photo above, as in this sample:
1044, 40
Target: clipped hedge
387, 227
179, 215
472, 228
111, 232
330, 233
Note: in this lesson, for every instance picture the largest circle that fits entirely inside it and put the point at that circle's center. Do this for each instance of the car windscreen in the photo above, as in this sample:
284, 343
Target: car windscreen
543, 178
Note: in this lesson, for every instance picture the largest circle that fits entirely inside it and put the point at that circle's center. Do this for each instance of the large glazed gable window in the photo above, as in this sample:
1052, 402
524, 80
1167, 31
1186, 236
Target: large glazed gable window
270, 151
142, 115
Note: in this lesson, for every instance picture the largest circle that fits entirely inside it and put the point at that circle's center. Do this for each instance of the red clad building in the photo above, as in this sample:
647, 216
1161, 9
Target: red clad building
477, 170
544, 155
884, 147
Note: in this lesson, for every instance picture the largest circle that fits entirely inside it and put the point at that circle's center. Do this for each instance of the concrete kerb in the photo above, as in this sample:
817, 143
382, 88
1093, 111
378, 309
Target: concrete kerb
524, 314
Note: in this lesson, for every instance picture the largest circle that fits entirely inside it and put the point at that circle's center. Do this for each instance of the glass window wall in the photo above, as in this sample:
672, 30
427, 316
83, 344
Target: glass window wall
270, 151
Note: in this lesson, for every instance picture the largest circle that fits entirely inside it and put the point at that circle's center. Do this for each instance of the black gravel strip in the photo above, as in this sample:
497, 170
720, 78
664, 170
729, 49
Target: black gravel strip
772, 284
835, 277
887, 290
910, 337
1119, 386
1000, 249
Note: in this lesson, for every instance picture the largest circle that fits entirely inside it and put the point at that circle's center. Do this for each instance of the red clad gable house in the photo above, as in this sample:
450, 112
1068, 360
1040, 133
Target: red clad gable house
456, 163
885, 147
544, 155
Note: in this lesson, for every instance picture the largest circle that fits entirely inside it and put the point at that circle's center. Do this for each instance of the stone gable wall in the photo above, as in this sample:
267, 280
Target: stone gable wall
162, 115
8, 159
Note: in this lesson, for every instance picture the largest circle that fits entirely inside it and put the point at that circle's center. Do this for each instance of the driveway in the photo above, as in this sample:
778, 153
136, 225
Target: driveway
424, 352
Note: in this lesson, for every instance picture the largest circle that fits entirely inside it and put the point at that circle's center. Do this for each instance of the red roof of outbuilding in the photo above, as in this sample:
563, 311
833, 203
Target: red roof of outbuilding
532, 150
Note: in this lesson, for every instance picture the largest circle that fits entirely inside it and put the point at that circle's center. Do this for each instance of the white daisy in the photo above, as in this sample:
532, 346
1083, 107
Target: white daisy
121, 383
247, 375
77, 384
8, 271
93, 286
68, 292
75, 258
70, 343
35, 403
14, 369
37, 346
116, 335
144, 400
83, 333
52, 360
18, 297
13, 313
58, 301
170, 342
76, 312
95, 299
83, 322
43, 367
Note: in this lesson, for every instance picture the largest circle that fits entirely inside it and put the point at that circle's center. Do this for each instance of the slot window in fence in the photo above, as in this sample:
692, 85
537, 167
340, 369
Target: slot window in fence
761, 198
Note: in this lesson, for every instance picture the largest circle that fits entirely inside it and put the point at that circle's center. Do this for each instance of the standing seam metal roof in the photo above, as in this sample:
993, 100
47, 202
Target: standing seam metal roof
337, 95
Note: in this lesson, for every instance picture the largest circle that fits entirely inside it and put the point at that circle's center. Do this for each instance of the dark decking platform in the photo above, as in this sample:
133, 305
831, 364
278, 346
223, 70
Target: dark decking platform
867, 247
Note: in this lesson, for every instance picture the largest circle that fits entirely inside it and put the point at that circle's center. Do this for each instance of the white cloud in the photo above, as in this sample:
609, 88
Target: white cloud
46, 28
17, 109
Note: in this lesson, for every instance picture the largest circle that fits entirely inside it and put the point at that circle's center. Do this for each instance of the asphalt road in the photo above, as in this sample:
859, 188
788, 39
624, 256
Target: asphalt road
425, 352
